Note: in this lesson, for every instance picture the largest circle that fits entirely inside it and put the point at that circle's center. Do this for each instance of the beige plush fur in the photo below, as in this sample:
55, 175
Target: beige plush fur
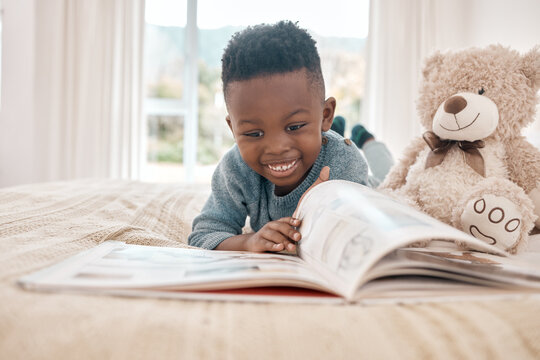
501, 205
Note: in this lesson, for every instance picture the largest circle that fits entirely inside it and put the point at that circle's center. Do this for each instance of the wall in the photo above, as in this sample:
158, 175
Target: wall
513, 23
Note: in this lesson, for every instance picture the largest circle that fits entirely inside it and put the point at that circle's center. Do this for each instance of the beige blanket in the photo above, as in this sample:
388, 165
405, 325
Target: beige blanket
43, 224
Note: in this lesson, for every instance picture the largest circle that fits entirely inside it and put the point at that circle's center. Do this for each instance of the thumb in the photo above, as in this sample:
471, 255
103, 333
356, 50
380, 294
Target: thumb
324, 175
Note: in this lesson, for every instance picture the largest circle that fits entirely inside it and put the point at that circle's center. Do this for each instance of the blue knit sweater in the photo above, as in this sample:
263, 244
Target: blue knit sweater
239, 192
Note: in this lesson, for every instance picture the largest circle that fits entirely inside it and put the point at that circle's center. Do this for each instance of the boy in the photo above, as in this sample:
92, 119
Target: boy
277, 112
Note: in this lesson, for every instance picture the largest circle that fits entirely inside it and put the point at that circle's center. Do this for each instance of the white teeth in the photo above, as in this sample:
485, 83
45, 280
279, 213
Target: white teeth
282, 167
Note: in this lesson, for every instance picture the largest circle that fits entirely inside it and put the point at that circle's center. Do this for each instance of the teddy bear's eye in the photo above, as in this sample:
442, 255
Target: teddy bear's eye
481, 91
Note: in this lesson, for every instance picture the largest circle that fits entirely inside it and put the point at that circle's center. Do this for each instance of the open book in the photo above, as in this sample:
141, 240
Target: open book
355, 246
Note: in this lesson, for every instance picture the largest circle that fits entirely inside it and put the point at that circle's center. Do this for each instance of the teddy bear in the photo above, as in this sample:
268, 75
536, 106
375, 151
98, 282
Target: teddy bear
472, 168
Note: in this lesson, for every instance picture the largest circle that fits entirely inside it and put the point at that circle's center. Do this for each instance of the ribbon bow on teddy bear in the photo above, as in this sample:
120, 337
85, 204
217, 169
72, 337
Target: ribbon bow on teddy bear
439, 149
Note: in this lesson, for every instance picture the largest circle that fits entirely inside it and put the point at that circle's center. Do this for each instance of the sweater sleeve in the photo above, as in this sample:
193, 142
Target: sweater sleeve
225, 212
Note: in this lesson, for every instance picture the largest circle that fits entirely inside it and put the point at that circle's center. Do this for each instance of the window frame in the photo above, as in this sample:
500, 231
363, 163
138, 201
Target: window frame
187, 107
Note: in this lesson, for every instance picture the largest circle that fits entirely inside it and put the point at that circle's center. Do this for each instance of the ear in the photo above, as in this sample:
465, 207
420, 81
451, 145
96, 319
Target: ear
530, 66
228, 119
432, 62
328, 113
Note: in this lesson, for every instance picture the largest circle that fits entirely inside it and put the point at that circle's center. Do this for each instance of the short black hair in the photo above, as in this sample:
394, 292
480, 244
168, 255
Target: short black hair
265, 49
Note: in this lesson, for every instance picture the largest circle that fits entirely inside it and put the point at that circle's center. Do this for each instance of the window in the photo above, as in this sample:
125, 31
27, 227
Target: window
187, 37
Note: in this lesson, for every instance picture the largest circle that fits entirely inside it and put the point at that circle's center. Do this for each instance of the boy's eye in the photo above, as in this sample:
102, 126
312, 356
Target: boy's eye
254, 134
295, 127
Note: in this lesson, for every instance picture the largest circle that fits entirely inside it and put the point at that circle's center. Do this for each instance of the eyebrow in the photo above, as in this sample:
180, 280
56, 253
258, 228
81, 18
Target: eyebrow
248, 121
291, 114
286, 117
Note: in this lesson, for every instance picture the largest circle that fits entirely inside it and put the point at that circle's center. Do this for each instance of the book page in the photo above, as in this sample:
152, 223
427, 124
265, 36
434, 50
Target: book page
119, 266
518, 271
442, 271
421, 289
346, 228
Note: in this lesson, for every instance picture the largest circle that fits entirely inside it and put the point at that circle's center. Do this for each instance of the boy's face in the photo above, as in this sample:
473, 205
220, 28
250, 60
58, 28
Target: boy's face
277, 122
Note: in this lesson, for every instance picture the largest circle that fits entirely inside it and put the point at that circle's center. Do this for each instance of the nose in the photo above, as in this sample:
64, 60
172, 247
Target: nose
455, 104
277, 144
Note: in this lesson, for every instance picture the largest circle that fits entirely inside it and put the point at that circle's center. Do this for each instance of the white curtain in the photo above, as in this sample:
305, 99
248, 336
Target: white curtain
401, 34
88, 92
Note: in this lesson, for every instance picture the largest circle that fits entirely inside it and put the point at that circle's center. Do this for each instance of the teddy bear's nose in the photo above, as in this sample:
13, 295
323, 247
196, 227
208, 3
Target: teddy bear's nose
455, 104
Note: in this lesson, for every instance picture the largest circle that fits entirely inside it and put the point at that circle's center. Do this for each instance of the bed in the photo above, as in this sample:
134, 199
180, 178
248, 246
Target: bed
42, 224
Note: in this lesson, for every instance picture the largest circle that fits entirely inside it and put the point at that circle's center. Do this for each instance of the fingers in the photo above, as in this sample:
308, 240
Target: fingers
287, 227
259, 243
277, 236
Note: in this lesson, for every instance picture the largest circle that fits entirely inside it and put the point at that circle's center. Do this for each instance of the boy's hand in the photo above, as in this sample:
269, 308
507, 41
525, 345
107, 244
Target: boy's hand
276, 235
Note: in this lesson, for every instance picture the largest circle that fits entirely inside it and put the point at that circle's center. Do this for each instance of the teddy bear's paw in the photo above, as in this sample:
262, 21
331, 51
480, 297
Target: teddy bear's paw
493, 219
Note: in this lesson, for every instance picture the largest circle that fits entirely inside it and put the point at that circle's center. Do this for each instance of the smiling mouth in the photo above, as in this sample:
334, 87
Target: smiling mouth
282, 167
461, 128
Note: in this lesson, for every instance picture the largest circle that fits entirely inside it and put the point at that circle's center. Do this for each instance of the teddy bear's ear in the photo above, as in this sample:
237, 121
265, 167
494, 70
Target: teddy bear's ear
432, 62
530, 66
